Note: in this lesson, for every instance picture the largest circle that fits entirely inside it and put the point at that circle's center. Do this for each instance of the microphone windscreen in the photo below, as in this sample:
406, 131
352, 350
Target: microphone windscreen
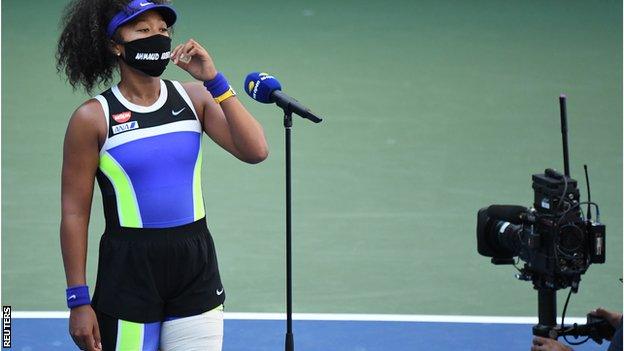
259, 86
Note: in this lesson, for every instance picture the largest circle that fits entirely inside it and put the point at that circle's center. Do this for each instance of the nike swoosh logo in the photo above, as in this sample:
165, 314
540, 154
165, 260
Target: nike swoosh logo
72, 297
175, 113
219, 292
143, 4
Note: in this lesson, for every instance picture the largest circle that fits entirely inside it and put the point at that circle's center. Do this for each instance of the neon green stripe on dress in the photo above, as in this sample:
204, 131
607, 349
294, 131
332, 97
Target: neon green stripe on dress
129, 336
198, 200
127, 207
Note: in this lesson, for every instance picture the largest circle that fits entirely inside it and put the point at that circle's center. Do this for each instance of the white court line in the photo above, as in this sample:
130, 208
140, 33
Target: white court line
344, 317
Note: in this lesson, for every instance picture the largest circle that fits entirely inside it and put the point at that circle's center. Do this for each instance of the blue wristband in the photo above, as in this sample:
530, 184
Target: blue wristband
218, 85
77, 296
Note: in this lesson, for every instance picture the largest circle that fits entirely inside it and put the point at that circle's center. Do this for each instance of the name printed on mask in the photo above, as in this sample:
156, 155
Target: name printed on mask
152, 56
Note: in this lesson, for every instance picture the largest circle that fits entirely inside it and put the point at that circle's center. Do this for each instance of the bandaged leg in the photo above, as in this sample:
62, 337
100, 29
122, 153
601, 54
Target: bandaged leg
202, 332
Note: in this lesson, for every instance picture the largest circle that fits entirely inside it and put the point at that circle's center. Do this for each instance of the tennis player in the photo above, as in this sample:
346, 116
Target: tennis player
158, 284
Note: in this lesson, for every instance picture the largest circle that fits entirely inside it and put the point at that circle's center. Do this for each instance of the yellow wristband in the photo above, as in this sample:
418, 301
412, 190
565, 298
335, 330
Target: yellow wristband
228, 94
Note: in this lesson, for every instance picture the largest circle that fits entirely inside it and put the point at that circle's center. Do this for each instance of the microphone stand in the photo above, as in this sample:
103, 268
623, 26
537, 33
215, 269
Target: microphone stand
289, 343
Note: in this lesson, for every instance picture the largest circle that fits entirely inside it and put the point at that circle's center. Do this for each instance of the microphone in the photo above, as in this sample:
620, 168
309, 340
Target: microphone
510, 213
265, 88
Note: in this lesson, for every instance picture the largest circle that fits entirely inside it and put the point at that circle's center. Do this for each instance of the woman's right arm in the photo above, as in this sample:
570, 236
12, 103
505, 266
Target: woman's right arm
80, 162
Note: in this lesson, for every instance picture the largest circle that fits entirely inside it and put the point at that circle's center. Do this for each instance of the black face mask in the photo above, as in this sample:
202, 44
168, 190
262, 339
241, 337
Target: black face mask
149, 55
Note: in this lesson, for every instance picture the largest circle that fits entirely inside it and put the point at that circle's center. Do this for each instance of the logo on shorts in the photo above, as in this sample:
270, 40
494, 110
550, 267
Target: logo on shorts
122, 117
219, 292
125, 127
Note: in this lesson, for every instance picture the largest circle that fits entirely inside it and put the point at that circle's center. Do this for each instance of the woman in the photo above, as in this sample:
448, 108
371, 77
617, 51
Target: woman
158, 285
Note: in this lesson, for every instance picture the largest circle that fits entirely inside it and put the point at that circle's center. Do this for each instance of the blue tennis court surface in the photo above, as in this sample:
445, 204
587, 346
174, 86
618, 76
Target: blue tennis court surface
35, 334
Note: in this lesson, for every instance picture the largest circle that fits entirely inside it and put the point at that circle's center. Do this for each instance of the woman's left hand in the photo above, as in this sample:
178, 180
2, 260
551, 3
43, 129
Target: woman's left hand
193, 58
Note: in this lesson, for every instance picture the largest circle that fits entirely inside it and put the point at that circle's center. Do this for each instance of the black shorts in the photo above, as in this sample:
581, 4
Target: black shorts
148, 274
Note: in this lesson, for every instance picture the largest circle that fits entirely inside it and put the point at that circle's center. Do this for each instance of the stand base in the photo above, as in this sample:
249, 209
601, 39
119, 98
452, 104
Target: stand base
290, 342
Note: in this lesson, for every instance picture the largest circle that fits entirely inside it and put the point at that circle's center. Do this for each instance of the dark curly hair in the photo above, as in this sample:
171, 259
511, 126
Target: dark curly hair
84, 51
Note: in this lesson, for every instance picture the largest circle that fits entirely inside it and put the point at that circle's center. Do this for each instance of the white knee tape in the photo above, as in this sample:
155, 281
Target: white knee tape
203, 332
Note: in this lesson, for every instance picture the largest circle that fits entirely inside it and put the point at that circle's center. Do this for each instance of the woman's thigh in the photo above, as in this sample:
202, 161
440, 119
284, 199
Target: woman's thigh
121, 335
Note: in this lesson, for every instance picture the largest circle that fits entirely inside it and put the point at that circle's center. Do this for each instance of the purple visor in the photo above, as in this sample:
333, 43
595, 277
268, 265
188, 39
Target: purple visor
134, 9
